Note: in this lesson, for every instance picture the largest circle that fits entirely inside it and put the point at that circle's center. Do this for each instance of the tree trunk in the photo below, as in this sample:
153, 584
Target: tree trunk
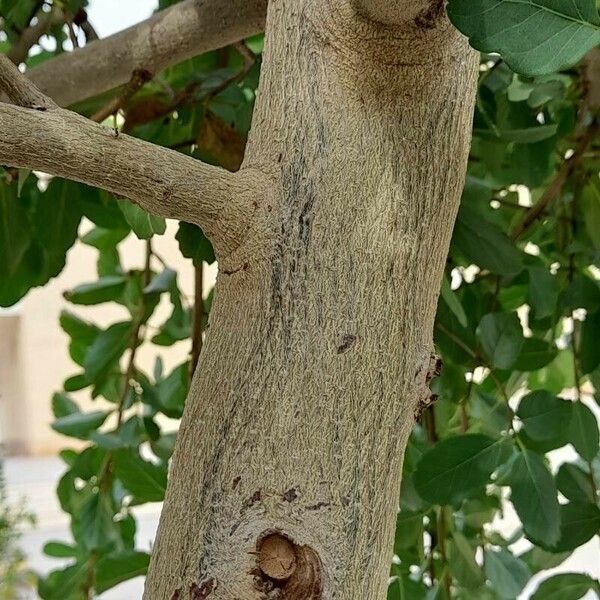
285, 479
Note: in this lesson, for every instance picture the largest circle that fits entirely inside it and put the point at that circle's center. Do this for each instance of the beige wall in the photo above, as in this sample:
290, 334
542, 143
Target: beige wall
34, 359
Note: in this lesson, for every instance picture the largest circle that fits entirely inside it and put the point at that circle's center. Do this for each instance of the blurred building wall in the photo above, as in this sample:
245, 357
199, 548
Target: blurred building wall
34, 358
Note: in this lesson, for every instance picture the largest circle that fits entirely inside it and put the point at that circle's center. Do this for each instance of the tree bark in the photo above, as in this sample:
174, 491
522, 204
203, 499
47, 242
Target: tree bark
285, 479
172, 35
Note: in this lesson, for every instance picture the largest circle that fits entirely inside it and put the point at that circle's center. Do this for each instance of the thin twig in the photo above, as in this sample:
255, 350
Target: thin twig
29, 37
138, 79
556, 186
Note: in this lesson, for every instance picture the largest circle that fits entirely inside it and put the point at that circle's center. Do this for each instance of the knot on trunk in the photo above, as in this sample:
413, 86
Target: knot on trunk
286, 570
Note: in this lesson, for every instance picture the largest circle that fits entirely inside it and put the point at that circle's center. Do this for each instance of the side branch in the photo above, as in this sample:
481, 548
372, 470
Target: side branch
169, 37
41, 136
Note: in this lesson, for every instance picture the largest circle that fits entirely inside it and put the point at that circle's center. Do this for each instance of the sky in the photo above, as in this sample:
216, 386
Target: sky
110, 16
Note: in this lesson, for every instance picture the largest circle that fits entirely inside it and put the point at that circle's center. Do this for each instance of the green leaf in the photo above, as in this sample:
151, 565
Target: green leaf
63, 406
501, 338
147, 482
575, 484
542, 292
589, 356
485, 244
122, 566
507, 573
544, 416
579, 522
15, 241
144, 224
451, 299
106, 349
456, 465
194, 244
60, 550
590, 205
96, 523
105, 289
565, 586
534, 497
533, 36
583, 431
64, 584
162, 282
172, 391
79, 424
535, 354
538, 559
462, 562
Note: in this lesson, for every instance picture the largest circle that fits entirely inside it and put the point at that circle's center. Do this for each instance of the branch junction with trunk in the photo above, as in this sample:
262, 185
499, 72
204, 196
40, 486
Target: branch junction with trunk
331, 242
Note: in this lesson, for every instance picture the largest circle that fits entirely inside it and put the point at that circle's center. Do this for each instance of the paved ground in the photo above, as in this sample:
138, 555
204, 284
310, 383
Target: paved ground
35, 479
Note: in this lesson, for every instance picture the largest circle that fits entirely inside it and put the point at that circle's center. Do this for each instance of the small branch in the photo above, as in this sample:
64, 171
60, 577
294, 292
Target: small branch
175, 34
555, 188
29, 37
162, 181
138, 79
81, 20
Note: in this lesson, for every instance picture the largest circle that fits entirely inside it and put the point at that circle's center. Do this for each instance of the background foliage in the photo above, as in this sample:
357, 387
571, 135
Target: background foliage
517, 324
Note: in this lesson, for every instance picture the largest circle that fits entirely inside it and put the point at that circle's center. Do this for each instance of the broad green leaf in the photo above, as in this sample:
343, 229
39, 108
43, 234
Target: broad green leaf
172, 391
507, 574
194, 244
544, 416
534, 497
409, 530
96, 524
105, 289
485, 244
144, 224
583, 292
15, 241
64, 584
575, 484
565, 586
535, 354
542, 292
102, 238
537, 559
60, 550
122, 566
79, 424
462, 562
501, 338
55, 221
591, 211
456, 465
579, 522
451, 299
583, 431
147, 482
162, 282
589, 348
63, 406
533, 36
106, 349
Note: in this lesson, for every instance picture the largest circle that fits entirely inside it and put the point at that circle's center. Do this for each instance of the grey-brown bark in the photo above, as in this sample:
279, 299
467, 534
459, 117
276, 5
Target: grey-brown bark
364, 131
285, 478
172, 35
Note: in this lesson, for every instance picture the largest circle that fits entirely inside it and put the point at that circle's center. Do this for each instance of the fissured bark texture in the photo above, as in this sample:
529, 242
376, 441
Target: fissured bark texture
285, 479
